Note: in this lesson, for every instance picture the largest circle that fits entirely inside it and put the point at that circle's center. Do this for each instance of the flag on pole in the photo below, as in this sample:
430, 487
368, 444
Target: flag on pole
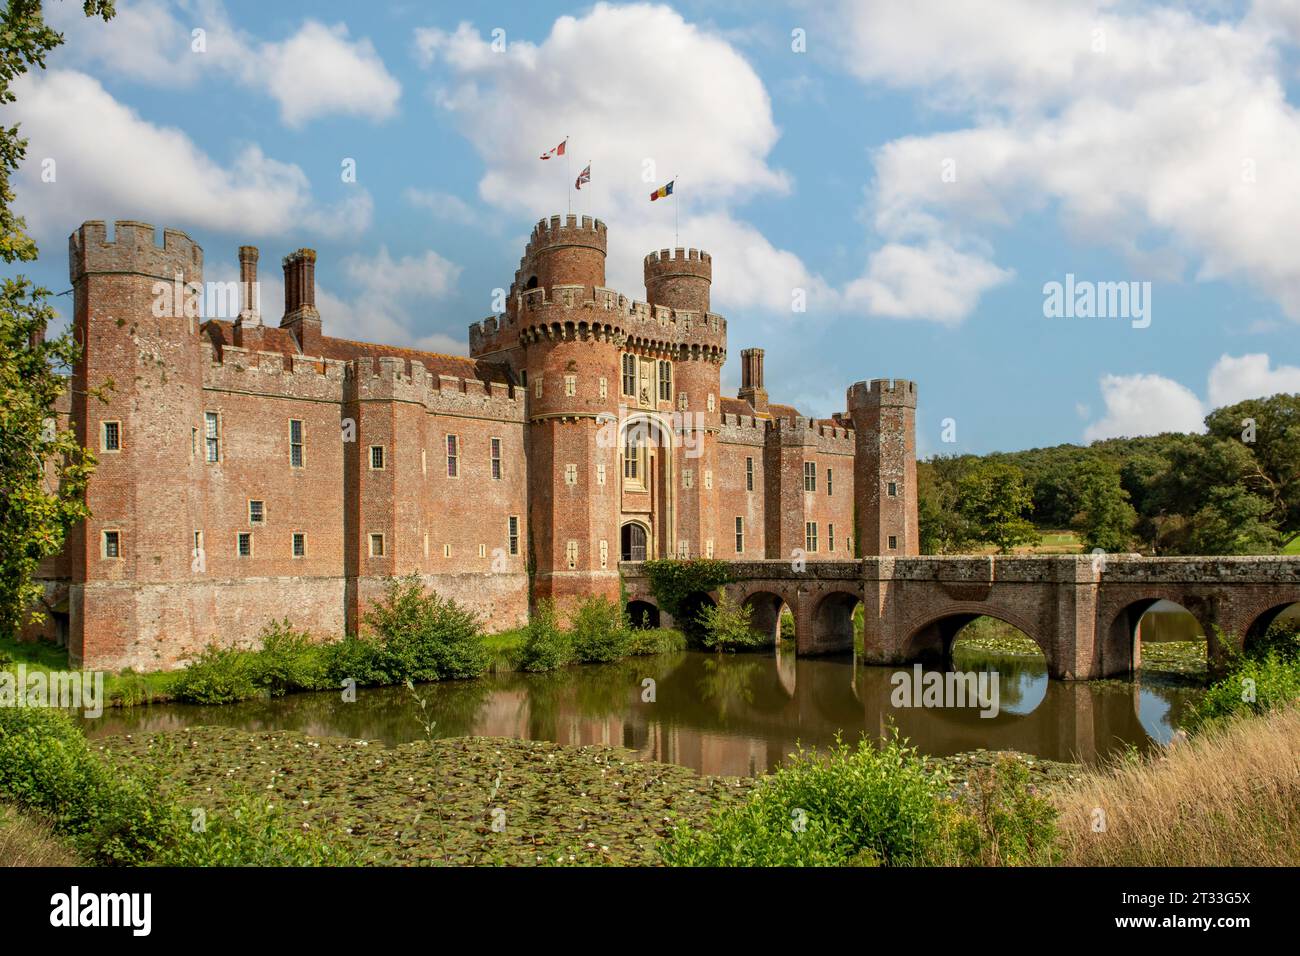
557, 151
662, 191
583, 177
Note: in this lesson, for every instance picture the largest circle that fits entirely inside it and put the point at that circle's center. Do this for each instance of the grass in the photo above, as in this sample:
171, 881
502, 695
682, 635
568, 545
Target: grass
1292, 546
126, 688
1229, 796
26, 841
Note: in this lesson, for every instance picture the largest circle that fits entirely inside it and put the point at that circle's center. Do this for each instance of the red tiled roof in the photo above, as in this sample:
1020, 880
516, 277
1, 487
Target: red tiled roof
275, 339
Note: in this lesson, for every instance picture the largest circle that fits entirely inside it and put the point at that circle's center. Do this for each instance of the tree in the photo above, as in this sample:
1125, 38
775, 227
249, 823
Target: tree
1105, 519
1270, 429
1233, 521
43, 469
993, 500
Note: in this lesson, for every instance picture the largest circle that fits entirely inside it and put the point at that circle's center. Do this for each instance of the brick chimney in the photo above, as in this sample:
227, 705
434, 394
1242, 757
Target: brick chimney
248, 327
300, 315
751, 380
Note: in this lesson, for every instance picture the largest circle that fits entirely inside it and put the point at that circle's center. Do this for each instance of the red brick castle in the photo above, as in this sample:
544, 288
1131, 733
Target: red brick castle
250, 471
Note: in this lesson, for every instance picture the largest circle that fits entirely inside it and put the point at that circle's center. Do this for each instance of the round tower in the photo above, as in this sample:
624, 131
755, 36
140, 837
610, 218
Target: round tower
563, 251
679, 279
884, 467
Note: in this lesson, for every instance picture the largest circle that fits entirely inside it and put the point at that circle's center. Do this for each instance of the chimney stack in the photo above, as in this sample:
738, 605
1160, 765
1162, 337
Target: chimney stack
249, 314
300, 315
751, 380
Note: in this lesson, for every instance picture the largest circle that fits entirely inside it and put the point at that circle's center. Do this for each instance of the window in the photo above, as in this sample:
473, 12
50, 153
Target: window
749, 474
708, 547
893, 489
571, 553
629, 374
198, 543
600, 472
112, 544
570, 385
537, 387
740, 534
424, 462
512, 533
683, 401
604, 387
830, 537
376, 545
453, 456
893, 543
523, 377
688, 478
496, 458
482, 550
256, 512
212, 435
632, 461
604, 553
295, 443
111, 439
194, 441
665, 381
299, 544
829, 477
446, 551
712, 401
708, 479
809, 476
570, 474
244, 544
810, 536
376, 457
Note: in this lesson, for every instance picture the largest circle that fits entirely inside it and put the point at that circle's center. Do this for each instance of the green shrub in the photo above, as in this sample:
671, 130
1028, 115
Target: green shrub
130, 689
599, 633
678, 585
46, 766
424, 637
1254, 685
217, 676
726, 626
356, 659
1000, 819
249, 832
288, 660
546, 646
657, 640
1282, 638
787, 625
864, 807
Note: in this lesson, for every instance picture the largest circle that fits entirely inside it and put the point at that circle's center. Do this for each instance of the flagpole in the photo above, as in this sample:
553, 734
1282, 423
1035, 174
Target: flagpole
677, 236
568, 197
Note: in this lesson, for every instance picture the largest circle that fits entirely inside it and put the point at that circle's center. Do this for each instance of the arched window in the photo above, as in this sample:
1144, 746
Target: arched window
633, 542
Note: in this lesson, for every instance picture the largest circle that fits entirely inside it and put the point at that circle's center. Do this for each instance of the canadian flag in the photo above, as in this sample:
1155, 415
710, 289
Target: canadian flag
557, 151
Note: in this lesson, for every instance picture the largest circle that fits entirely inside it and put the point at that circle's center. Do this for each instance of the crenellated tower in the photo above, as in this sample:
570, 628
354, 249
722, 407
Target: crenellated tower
884, 474
136, 315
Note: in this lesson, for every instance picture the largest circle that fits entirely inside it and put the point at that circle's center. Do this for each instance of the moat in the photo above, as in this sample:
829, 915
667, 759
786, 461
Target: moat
718, 714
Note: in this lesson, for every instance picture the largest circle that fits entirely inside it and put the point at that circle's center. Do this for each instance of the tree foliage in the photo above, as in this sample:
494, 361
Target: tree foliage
43, 469
994, 502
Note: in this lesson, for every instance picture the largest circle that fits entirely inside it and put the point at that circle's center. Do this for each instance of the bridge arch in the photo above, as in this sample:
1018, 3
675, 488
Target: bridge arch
1121, 641
831, 621
1261, 619
643, 613
929, 638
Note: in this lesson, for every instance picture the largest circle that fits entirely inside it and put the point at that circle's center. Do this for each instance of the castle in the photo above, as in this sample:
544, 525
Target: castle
250, 472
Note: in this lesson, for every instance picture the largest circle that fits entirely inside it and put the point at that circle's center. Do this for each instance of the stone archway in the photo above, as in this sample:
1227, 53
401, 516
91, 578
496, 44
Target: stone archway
831, 622
930, 640
634, 540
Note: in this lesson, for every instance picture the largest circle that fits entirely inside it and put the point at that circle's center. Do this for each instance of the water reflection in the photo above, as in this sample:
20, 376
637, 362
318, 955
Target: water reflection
719, 714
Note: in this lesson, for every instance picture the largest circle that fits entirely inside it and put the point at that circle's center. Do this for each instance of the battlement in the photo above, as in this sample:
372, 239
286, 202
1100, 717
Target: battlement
133, 250
680, 261
570, 230
896, 392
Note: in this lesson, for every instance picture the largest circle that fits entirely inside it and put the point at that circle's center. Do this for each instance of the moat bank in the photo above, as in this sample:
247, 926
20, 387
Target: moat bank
729, 715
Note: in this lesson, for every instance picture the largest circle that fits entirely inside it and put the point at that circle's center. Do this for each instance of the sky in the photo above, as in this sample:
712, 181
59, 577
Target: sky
888, 190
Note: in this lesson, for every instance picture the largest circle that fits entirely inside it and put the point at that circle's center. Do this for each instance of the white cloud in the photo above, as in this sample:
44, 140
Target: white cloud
317, 71
1235, 379
1135, 122
442, 206
933, 281
1145, 405
644, 96
139, 170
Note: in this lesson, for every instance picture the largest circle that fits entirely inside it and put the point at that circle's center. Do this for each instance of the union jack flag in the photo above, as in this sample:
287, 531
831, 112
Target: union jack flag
583, 177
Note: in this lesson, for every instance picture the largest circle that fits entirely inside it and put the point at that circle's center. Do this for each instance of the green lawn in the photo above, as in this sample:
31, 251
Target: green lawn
127, 687
1292, 546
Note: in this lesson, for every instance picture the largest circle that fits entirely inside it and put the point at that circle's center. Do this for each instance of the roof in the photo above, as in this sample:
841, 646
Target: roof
275, 339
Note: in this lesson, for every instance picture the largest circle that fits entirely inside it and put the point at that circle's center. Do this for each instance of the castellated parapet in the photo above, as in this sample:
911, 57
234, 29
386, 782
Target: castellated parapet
879, 392
133, 249
679, 278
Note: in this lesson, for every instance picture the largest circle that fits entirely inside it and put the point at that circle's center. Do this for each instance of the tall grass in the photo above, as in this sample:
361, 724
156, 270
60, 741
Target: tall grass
1229, 796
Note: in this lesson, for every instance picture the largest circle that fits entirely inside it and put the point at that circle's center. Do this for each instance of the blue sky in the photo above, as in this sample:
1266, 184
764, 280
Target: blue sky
918, 172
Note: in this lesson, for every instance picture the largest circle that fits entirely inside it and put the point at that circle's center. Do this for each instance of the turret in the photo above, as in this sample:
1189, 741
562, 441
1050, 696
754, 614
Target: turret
679, 279
563, 251
751, 380
884, 472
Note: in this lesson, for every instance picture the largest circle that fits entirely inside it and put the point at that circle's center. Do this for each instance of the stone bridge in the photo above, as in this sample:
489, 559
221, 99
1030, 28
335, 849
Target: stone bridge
1082, 611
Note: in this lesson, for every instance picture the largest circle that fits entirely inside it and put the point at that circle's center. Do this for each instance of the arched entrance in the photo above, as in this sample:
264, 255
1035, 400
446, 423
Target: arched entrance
765, 614
832, 622
633, 540
642, 614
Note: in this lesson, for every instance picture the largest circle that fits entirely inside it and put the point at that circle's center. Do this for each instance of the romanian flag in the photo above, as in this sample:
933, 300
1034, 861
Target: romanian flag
556, 151
662, 191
